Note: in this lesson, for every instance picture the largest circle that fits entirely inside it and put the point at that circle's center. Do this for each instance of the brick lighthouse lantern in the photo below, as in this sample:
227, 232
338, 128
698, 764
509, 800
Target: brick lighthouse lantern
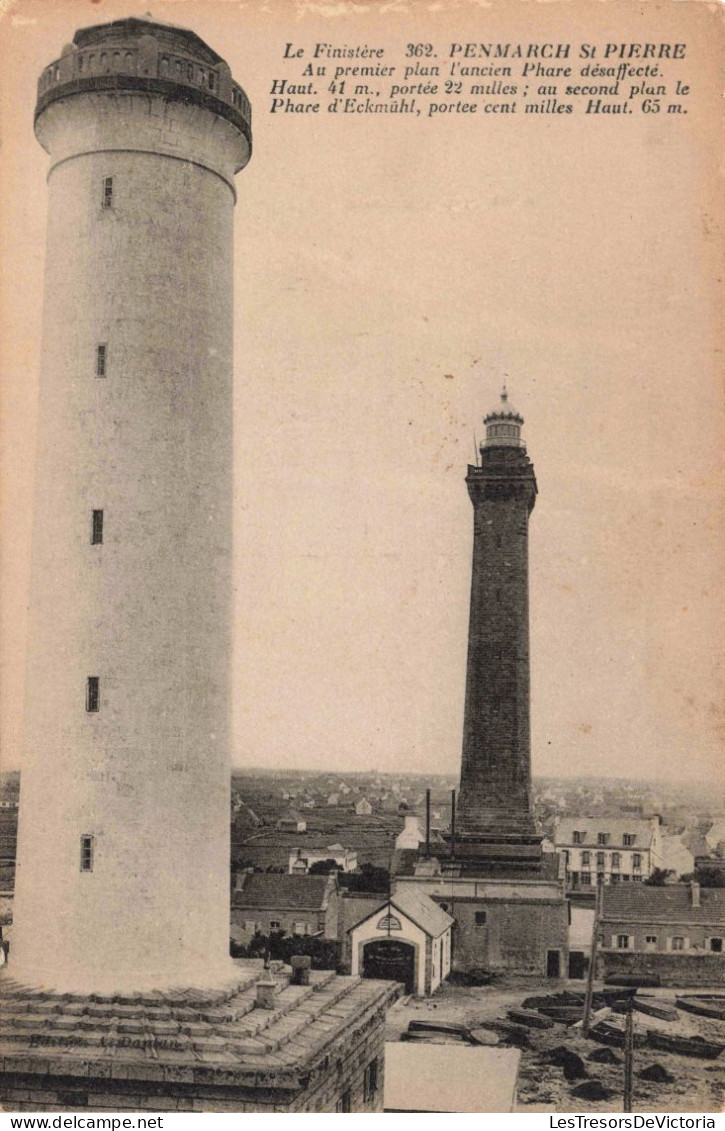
123, 853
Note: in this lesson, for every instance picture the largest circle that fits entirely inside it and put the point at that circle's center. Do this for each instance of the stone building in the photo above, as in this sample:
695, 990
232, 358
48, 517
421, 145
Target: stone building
296, 904
674, 933
302, 859
608, 850
407, 938
491, 874
505, 925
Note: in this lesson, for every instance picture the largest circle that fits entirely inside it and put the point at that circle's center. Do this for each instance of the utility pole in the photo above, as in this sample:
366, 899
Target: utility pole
628, 1058
592, 963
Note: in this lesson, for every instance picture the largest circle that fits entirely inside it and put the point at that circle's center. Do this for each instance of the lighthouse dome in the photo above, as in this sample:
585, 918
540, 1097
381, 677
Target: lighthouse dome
503, 425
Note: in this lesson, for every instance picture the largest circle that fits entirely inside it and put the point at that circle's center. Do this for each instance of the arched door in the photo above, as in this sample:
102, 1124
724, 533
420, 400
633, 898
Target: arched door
392, 960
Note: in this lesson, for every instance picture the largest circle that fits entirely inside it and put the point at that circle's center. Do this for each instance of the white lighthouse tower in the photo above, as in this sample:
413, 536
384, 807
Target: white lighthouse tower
123, 844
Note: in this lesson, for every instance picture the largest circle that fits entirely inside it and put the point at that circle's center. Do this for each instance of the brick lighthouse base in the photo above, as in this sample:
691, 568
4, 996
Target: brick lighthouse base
507, 920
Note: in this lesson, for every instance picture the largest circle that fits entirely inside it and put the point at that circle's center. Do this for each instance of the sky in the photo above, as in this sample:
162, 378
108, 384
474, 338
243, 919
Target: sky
390, 274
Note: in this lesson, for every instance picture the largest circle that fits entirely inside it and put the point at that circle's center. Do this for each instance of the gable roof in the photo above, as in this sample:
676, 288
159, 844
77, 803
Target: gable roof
270, 891
416, 906
670, 904
419, 907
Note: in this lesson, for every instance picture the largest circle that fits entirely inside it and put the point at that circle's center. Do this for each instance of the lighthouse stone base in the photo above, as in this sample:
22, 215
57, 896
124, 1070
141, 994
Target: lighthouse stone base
262, 1044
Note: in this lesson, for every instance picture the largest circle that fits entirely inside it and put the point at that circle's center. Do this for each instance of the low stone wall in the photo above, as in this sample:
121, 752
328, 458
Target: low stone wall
680, 969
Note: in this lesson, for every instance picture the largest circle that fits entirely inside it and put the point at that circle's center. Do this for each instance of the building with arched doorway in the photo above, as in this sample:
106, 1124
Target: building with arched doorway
406, 938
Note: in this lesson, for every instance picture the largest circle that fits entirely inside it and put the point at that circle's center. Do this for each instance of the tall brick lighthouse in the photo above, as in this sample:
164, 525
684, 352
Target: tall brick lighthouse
495, 820
123, 853
488, 871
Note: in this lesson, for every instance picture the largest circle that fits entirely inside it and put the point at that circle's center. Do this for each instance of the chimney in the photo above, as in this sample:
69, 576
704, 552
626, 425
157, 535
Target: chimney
695, 894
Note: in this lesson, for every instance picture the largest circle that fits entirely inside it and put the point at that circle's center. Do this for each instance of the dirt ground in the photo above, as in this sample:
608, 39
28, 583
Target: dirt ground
697, 1085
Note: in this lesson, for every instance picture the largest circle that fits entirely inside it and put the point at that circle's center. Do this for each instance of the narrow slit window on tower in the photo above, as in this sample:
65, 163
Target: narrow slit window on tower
101, 359
86, 853
93, 693
96, 528
107, 197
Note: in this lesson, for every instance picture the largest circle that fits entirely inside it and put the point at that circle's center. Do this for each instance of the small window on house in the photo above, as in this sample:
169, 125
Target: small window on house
101, 359
616, 859
480, 918
300, 928
107, 195
629, 839
586, 858
577, 837
600, 877
716, 946
637, 879
622, 942
86, 853
586, 879
96, 528
370, 1083
602, 838
636, 860
211, 80
344, 1104
600, 860
92, 693
650, 941
678, 942
275, 925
